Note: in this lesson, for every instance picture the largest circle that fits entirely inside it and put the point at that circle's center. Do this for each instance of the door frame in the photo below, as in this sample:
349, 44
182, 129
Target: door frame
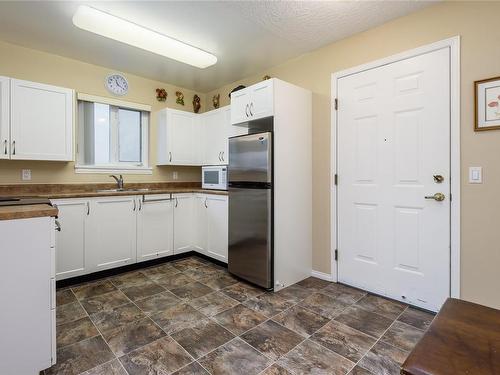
454, 45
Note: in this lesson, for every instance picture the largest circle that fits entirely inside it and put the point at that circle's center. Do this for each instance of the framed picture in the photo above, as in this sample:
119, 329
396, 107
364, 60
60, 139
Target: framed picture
487, 106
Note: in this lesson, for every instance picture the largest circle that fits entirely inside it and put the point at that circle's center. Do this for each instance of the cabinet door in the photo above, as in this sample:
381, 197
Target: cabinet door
201, 217
184, 224
154, 227
4, 118
112, 233
70, 241
181, 138
262, 100
41, 121
217, 239
215, 138
240, 102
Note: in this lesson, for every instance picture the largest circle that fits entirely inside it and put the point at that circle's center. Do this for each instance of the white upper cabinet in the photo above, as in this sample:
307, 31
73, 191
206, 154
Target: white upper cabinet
179, 137
41, 121
216, 136
155, 237
184, 226
253, 102
4, 118
70, 240
112, 232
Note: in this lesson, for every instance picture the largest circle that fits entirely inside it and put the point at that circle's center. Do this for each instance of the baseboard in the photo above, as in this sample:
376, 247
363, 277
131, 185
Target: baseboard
322, 275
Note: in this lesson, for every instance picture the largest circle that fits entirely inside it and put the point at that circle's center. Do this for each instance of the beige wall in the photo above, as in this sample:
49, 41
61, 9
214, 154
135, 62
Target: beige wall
32, 65
476, 23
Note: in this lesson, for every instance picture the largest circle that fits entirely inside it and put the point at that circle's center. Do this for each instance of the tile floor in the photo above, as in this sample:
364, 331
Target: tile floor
191, 317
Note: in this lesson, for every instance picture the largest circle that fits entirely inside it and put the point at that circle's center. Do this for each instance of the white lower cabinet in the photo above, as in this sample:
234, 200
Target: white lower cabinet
108, 232
200, 237
70, 240
184, 226
154, 227
111, 237
217, 226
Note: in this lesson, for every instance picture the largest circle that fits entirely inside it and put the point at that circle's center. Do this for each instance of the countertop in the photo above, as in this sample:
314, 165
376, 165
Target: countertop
27, 211
59, 191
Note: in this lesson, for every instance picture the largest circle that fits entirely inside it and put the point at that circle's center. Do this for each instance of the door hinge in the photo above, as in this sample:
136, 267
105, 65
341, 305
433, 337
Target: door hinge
336, 104
336, 179
336, 254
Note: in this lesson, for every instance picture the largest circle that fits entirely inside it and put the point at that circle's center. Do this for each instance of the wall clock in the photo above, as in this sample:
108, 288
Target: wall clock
117, 84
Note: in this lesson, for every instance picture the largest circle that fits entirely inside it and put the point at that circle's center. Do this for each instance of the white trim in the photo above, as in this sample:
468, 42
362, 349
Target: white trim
113, 101
322, 275
454, 45
112, 169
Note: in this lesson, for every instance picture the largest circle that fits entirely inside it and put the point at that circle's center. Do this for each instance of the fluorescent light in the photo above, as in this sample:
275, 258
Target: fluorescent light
112, 27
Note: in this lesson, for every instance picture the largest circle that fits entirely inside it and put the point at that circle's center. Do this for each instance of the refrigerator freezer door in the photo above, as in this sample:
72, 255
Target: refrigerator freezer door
250, 158
250, 250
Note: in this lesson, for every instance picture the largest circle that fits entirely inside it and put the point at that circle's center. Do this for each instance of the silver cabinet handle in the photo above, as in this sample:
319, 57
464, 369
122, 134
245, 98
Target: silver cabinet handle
58, 225
140, 204
251, 105
222, 157
246, 110
176, 202
5, 147
135, 203
206, 205
88, 208
13, 147
169, 156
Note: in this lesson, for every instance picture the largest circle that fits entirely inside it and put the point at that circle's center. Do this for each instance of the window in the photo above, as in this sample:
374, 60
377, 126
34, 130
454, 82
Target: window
112, 138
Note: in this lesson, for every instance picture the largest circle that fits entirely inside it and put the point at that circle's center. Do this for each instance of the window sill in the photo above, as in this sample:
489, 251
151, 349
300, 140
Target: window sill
113, 169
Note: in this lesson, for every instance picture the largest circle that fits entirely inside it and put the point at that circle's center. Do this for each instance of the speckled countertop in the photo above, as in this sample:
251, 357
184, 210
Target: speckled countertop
27, 211
61, 191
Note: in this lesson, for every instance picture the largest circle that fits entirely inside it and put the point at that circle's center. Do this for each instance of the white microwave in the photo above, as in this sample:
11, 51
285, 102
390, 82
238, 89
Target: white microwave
214, 177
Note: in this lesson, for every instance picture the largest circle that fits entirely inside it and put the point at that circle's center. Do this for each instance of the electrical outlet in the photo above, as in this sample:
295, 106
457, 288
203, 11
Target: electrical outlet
26, 174
175, 175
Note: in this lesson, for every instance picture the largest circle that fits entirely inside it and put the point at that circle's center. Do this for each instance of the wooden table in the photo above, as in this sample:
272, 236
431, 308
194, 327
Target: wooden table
464, 338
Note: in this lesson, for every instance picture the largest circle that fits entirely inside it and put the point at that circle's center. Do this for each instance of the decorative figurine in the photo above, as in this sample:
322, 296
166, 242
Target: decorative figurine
161, 95
266, 77
216, 101
237, 88
180, 98
196, 103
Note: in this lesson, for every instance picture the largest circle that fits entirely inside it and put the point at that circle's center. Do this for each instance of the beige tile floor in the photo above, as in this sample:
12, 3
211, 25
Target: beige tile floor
192, 317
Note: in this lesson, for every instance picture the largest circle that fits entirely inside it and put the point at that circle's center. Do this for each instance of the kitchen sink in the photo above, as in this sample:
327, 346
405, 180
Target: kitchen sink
122, 190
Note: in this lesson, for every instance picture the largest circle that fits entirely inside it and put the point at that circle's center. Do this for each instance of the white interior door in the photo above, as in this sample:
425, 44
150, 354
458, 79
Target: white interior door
393, 137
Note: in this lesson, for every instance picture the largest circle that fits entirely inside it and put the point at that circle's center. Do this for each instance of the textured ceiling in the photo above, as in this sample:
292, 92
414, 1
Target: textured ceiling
246, 36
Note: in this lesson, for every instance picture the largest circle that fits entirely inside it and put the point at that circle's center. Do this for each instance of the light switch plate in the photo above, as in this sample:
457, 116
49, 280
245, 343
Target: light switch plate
26, 174
475, 175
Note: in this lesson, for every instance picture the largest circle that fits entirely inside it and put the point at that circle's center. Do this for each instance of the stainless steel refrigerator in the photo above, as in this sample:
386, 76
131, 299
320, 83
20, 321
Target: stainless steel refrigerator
250, 185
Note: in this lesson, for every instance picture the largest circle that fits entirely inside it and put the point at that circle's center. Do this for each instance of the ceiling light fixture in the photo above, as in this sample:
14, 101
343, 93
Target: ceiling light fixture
115, 28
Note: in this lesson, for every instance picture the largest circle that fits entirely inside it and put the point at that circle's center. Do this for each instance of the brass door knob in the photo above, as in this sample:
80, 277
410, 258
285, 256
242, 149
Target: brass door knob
437, 197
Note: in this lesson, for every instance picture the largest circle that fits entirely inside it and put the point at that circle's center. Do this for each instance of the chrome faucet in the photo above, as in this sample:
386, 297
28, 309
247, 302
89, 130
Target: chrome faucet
119, 181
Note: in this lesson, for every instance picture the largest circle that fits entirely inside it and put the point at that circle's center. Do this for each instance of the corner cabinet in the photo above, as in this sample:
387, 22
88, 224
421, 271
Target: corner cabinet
41, 121
252, 103
154, 226
179, 137
186, 138
112, 232
212, 226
